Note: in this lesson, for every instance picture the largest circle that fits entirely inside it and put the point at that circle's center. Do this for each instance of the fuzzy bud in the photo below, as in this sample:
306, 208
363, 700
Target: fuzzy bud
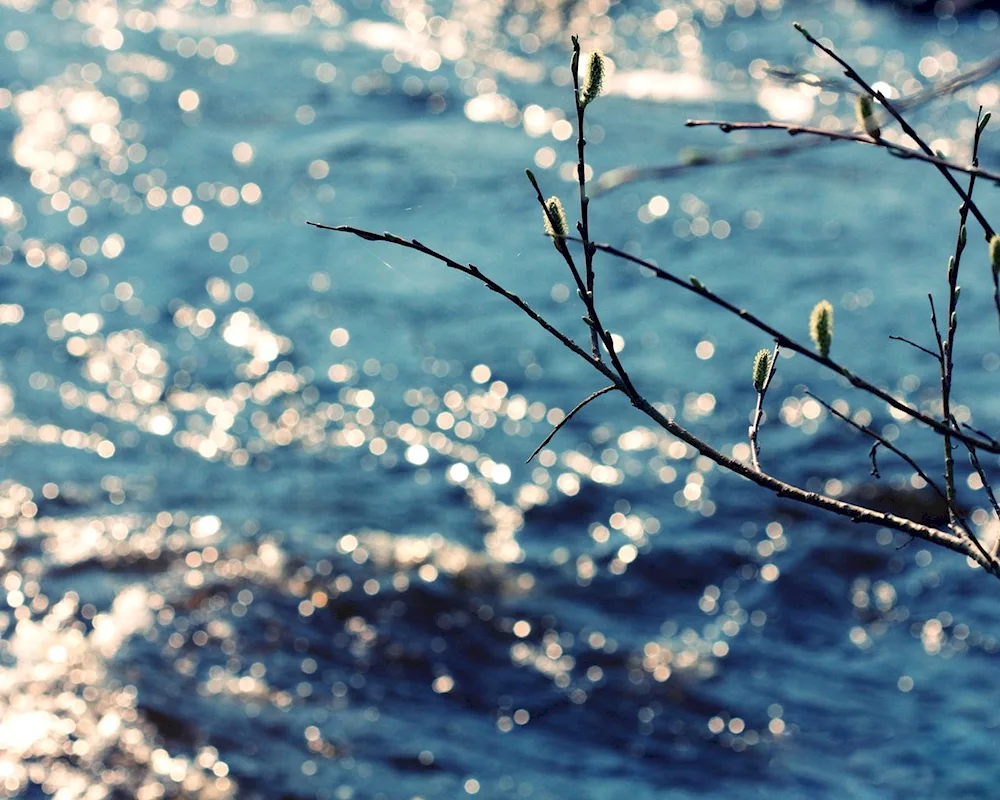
865, 111
555, 219
995, 254
821, 327
761, 365
593, 80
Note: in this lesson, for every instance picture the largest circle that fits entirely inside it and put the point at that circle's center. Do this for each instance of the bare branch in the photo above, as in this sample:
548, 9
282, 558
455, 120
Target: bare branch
624, 175
914, 344
947, 347
880, 440
850, 72
845, 136
856, 513
473, 272
974, 459
987, 443
581, 174
567, 418
593, 319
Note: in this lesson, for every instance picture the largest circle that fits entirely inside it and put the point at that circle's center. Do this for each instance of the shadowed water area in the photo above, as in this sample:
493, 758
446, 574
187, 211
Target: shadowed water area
266, 529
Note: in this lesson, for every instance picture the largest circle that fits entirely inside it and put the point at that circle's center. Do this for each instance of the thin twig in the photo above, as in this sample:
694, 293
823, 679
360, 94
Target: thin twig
844, 136
567, 418
948, 539
880, 440
856, 513
919, 347
987, 443
473, 272
592, 318
971, 536
957, 521
974, 459
758, 412
948, 347
851, 73
624, 175
581, 174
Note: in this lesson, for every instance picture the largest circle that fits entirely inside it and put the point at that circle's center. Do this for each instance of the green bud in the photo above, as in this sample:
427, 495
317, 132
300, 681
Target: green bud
995, 254
555, 219
821, 327
984, 122
697, 284
761, 365
593, 81
963, 237
865, 111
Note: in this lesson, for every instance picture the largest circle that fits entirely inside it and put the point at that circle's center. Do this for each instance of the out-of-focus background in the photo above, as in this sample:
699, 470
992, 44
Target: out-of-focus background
267, 529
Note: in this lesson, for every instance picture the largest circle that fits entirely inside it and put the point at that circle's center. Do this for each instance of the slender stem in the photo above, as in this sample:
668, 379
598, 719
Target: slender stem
581, 174
567, 418
559, 242
758, 412
974, 460
785, 490
845, 136
624, 175
850, 72
987, 443
881, 440
593, 319
919, 347
948, 347
947, 539
473, 272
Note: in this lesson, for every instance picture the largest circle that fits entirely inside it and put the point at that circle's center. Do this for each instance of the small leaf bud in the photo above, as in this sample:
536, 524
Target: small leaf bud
761, 365
593, 80
865, 111
821, 327
554, 218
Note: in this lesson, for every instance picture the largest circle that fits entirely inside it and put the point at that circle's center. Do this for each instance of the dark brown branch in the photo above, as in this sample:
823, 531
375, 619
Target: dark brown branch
844, 136
880, 440
622, 176
473, 272
948, 346
592, 319
581, 174
851, 73
856, 513
853, 512
914, 344
974, 459
567, 418
987, 444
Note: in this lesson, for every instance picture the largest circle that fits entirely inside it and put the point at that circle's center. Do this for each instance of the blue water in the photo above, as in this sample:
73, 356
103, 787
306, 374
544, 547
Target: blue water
267, 529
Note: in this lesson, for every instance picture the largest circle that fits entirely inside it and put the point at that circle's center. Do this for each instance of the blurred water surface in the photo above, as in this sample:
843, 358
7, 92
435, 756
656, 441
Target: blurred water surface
267, 530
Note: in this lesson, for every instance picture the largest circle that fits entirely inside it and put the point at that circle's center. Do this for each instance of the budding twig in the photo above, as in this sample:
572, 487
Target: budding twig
763, 370
947, 346
851, 73
985, 443
897, 150
592, 88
